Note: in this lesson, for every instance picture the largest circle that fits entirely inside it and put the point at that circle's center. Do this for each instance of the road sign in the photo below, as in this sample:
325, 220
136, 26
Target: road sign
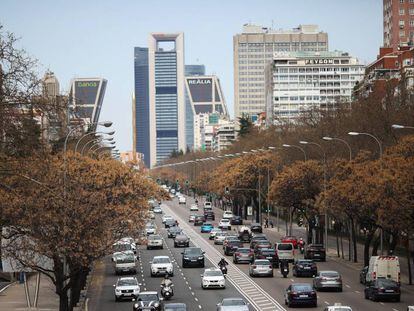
249, 210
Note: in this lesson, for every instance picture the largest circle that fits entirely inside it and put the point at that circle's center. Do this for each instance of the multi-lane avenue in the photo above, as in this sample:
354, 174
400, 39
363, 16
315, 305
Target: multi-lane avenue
261, 293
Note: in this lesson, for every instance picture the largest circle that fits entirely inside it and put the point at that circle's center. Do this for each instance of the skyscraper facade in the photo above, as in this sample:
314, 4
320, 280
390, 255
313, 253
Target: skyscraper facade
253, 49
50, 85
166, 95
141, 109
398, 23
86, 98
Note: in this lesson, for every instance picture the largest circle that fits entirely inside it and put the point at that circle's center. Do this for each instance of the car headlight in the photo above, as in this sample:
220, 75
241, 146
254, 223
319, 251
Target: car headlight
201, 257
136, 290
186, 258
156, 304
117, 290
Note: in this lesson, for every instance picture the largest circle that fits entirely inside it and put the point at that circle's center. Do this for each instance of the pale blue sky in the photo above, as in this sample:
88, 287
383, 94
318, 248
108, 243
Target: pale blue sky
80, 38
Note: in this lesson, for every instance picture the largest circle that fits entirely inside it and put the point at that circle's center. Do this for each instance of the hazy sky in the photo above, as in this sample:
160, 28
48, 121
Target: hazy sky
80, 38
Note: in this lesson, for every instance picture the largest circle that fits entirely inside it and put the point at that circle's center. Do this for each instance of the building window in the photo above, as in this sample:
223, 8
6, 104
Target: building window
411, 11
411, 23
401, 23
402, 11
401, 1
402, 33
411, 1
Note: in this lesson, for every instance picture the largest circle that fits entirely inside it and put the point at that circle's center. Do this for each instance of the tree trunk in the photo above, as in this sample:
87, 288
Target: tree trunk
342, 243
354, 241
367, 244
393, 244
376, 245
349, 241
337, 240
61, 289
78, 281
407, 250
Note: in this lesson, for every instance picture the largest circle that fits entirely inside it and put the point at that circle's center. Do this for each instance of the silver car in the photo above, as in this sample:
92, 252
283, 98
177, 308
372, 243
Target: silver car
261, 267
328, 280
219, 238
233, 304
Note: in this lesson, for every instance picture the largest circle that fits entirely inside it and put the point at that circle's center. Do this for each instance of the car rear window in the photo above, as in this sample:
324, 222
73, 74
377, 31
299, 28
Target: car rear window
193, 251
284, 247
244, 250
302, 287
386, 282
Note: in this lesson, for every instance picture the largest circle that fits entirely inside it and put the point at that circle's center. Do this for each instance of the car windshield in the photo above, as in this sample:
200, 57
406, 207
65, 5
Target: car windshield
386, 283
302, 288
207, 224
175, 308
212, 273
225, 220
193, 251
148, 297
127, 282
181, 237
284, 247
122, 247
329, 274
259, 238
154, 237
268, 251
262, 262
161, 260
125, 258
233, 302
221, 234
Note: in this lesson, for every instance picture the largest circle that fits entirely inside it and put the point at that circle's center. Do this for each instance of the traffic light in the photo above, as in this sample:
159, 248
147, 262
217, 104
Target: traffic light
226, 190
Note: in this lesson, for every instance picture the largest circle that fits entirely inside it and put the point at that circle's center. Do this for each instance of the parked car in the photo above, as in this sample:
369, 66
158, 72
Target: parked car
228, 215
225, 224
148, 301
301, 294
177, 306
181, 240
290, 239
269, 254
261, 267
383, 289
213, 278
304, 267
213, 233
220, 237
193, 256
236, 220
154, 241
209, 215
173, 231
126, 287
198, 220
328, 280
255, 227
232, 304
206, 227
285, 251
315, 252
231, 246
194, 208
161, 265
243, 254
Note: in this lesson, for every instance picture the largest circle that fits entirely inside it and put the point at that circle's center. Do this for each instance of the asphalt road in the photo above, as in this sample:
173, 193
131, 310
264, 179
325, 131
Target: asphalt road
352, 294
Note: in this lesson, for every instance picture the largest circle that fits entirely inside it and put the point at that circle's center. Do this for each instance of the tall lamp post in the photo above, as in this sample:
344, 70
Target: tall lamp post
398, 126
380, 155
93, 133
297, 147
328, 138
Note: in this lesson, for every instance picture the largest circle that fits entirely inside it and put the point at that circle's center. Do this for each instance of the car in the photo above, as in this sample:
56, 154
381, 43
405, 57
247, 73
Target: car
157, 210
256, 238
290, 239
148, 301
161, 265
315, 252
261, 267
301, 294
231, 246
245, 234
337, 307
175, 307
219, 238
228, 215
170, 223
208, 205
149, 229
233, 304
172, 191
181, 240
213, 233
269, 254
194, 208
209, 215
304, 267
172, 196
382, 289
154, 241
206, 227
243, 254
165, 218
363, 275
192, 217
193, 256
125, 262
182, 200
328, 280
256, 227
285, 251
228, 238
173, 231
261, 244
224, 224
126, 287
236, 220
198, 220
213, 277
151, 215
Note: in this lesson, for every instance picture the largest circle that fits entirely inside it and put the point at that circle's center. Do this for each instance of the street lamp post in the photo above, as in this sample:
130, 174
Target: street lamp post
398, 126
380, 156
92, 133
297, 147
328, 138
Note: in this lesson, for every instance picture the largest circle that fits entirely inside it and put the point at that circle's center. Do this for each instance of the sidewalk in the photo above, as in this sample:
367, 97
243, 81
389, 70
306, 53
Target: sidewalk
14, 298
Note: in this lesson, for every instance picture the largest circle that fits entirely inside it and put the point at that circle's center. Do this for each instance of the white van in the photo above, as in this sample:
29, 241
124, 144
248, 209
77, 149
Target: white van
384, 267
285, 251
125, 262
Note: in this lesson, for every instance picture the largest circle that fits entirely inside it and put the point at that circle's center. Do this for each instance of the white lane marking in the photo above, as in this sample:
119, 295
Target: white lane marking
327, 303
347, 286
195, 298
192, 293
199, 306
358, 292
394, 309
382, 303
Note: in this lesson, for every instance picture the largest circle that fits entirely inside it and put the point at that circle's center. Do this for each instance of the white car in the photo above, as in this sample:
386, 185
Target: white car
166, 217
224, 224
154, 241
228, 215
182, 200
194, 208
126, 287
149, 229
219, 238
208, 205
339, 307
161, 265
233, 304
157, 210
212, 278
213, 233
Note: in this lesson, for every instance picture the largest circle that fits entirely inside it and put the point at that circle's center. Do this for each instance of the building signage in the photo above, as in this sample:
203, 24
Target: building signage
88, 84
319, 61
199, 81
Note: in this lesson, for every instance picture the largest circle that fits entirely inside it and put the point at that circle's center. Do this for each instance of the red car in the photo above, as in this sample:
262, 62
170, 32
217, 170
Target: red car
291, 239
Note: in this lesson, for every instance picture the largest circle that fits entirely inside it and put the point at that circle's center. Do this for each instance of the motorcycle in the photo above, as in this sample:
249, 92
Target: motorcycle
167, 291
284, 269
223, 269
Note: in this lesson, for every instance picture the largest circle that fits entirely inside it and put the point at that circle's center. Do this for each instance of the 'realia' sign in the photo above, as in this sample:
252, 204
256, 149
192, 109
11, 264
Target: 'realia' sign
199, 81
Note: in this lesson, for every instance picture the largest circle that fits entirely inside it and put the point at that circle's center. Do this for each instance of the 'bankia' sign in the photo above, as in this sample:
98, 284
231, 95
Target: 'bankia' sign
199, 81
319, 61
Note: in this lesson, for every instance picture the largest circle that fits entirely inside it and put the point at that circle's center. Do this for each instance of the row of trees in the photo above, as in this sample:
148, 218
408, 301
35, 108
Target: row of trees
363, 197
50, 225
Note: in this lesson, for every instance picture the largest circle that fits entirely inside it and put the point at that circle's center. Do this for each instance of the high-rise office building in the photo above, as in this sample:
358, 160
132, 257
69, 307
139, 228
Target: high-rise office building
166, 95
86, 97
141, 109
191, 70
398, 23
253, 49
50, 85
